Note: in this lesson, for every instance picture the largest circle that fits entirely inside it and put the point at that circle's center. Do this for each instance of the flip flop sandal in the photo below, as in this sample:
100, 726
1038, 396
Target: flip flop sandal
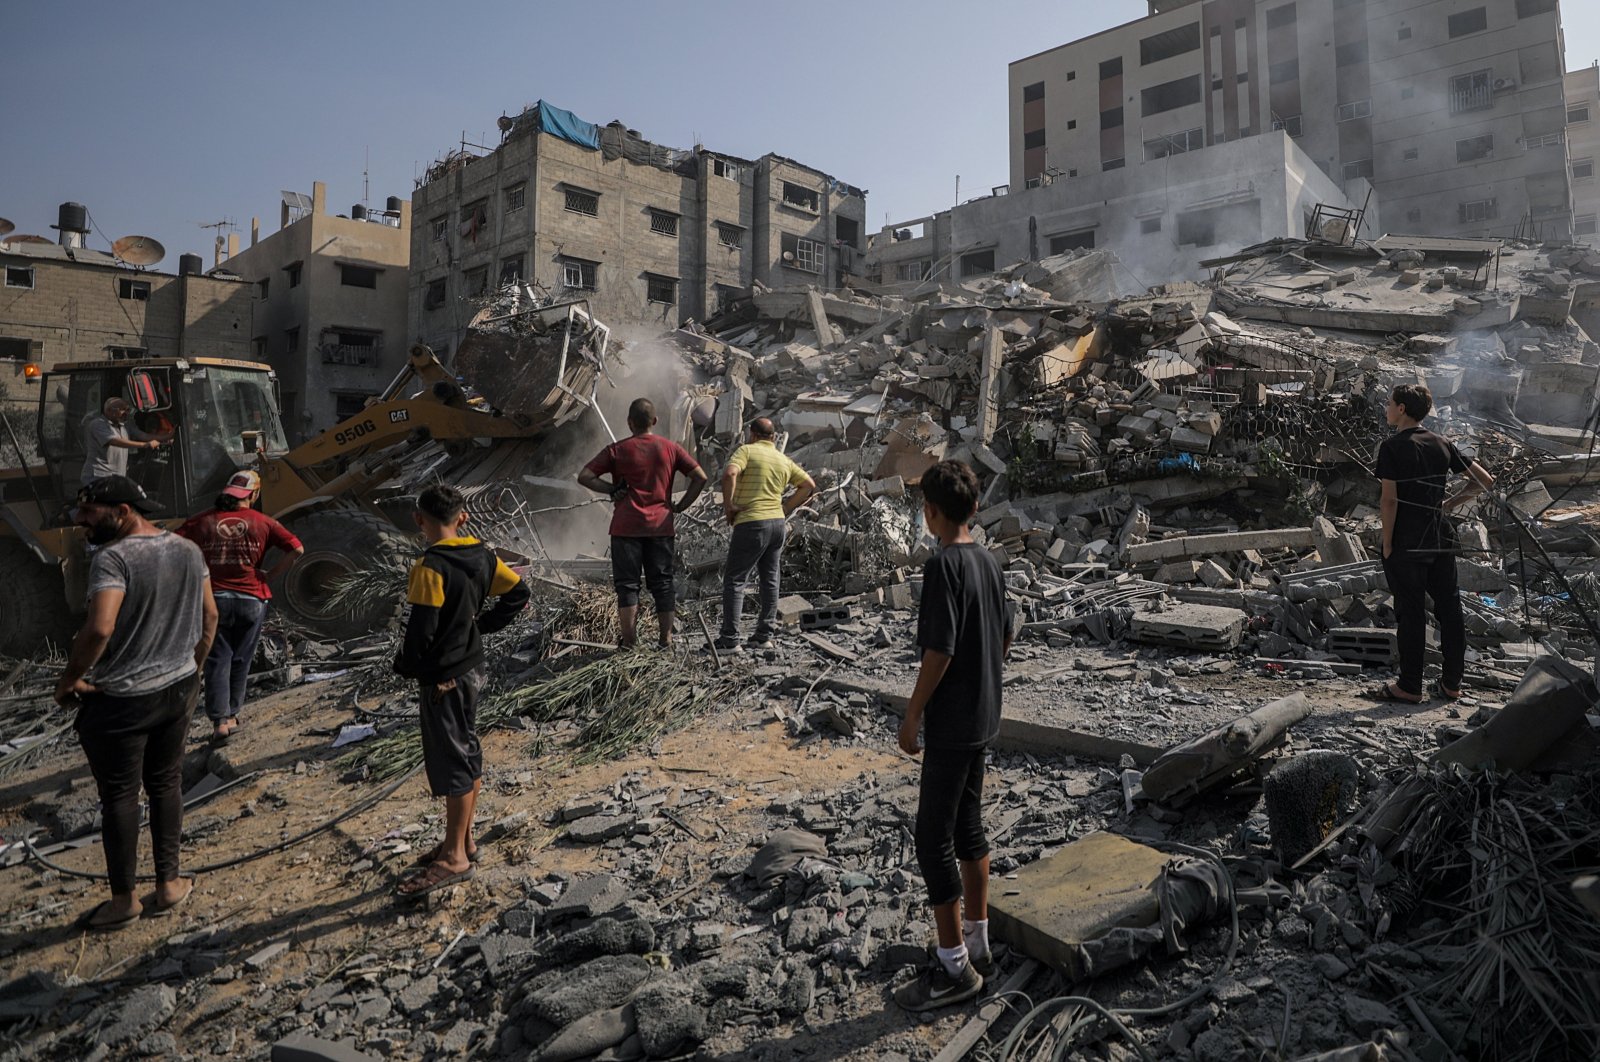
1444, 694
431, 856
86, 920
436, 877
1387, 694
155, 910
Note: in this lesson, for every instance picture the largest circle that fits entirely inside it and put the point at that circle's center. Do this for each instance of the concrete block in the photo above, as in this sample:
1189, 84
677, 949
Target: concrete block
890, 487
988, 458
1185, 626
791, 607
1190, 440
1093, 885
1364, 645
817, 618
1215, 575
1184, 571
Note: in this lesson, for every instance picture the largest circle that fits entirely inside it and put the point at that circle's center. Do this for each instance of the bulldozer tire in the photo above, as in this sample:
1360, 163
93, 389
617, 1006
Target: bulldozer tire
35, 615
339, 543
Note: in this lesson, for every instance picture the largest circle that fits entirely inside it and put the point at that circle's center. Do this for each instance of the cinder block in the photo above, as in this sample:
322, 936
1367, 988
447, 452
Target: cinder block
1364, 645
1206, 627
790, 608
814, 619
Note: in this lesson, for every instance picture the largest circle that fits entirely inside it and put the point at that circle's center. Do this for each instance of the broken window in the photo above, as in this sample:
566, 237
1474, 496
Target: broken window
1033, 92
19, 276
1350, 54
440, 228
729, 235
258, 347
1113, 164
358, 276
1278, 17
1169, 43
1072, 241
347, 404
801, 197
435, 296
660, 289
510, 270
1111, 68
582, 202
1583, 169
351, 346
918, 269
1149, 225
1472, 92
663, 223
1530, 8
1111, 119
1170, 95
294, 274
1355, 109
1290, 125
1577, 115
477, 280
1288, 70
726, 295
1358, 168
136, 290
724, 169
1174, 144
801, 253
977, 263
1409, 155
1583, 225
515, 196
291, 339
579, 274
474, 217
1034, 139
847, 231
1198, 228
1478, 210
1473, 148
1404, 33
1465, 22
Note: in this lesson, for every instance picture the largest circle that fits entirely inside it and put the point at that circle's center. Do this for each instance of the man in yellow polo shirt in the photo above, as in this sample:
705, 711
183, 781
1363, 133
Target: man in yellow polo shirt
753, 501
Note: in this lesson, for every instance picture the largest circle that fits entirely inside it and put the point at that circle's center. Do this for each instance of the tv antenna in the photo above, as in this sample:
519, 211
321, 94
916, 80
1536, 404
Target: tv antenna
366, 164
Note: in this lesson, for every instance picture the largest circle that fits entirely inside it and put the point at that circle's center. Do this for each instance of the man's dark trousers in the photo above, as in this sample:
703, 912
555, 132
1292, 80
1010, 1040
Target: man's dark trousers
1413, 577
755, 546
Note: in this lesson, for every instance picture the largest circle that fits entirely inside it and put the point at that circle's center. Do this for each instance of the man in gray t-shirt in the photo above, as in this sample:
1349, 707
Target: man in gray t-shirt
133, 676
108, 439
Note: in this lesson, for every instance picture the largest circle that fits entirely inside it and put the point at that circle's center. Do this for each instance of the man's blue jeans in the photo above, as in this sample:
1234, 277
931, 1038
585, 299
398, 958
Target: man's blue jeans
239, 619
756, 547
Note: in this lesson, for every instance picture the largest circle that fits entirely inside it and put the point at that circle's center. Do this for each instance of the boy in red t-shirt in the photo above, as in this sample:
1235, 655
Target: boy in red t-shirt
234, 538
641, 468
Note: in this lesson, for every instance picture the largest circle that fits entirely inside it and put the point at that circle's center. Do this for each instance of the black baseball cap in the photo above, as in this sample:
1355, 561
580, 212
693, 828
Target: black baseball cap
117, 490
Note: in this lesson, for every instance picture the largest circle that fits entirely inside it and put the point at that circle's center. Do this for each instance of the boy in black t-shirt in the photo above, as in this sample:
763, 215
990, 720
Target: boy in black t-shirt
964, 635
1419, 544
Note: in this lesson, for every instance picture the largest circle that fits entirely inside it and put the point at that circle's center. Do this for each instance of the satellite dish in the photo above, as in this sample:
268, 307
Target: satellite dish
6, 226
138, 250
29, 239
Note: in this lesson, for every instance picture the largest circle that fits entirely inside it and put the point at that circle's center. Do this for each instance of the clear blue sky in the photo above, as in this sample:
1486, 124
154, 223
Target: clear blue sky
165, 116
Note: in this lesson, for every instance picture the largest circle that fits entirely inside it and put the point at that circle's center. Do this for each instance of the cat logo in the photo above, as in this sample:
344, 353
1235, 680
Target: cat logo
396, 416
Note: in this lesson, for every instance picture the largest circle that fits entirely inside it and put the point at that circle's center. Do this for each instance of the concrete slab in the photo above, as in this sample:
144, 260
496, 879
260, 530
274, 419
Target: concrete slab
1187, 626
1091, 886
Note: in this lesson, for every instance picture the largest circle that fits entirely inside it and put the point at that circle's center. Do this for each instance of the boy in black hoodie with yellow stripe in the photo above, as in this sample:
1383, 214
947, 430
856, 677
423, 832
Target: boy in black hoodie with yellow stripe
444, 653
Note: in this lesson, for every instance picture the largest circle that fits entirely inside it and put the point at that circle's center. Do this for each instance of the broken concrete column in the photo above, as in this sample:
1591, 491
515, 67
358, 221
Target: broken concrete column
989, 383
827, 335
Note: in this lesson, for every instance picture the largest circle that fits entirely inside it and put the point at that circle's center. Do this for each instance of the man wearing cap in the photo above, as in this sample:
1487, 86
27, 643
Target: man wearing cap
132, 675
234, 538
108, 439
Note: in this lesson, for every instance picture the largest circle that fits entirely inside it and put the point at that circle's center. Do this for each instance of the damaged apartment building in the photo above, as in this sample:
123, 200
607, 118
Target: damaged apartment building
1583, 148
1444, 117
648, 234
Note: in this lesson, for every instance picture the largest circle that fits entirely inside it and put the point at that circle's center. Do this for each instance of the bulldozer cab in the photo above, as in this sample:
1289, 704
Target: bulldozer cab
216, 413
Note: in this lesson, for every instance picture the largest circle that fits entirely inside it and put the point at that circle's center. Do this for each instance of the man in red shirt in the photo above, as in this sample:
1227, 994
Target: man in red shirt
641, 468
234, 538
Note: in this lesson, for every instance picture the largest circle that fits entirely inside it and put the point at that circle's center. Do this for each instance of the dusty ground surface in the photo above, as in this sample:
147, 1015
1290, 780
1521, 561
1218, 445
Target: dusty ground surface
735, 776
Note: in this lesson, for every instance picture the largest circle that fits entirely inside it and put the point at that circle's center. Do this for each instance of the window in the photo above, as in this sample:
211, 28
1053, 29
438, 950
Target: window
515, 196
1149, 225
1172, 94
1111, 119
258, 348
1355, 109
1198, 228
136, 290
847, 231
1034, 139
582, 202
1290, 125
726, 295
1033, 182
1530, 8
474, 216
1111, 68
1113, 164
262, 287
294, 274
1414, 216
476, 280
1465, 22
435, 296
358, 276
1033, 92
1404, 33
724, 169
1478, 210
579, 274
1288, 70
19, 276
124, 353
291, 340
1473, 148
1174, 144
1350, 54
1072, 123
1280, 16
729, 235
350, 346
801, 253
1471, 92
660, 289
1583, 169
510, 270
440, 228
1072, 75
1071, 241
1544, 140
1409, 155
347, 404
1169, 43
977, 263
913, 271
801, 198
1577, 115
1359, 168
663, 223
1583, 225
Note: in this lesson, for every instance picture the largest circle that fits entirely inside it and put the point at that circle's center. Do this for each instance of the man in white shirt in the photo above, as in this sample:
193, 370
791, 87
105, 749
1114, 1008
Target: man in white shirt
109, 438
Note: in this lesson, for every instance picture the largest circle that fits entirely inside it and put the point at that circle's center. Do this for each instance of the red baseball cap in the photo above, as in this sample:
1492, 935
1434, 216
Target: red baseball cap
242, 485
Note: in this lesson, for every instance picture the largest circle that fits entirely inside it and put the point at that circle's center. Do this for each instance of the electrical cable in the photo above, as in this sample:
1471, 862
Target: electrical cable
364, 804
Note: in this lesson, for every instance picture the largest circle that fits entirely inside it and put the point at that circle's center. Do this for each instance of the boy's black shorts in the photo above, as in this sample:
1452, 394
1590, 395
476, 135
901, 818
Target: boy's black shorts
649, 557
950, 818
451, 754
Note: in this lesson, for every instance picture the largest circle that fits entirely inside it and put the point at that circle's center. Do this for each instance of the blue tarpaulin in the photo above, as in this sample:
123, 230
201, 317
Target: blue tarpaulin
568, 126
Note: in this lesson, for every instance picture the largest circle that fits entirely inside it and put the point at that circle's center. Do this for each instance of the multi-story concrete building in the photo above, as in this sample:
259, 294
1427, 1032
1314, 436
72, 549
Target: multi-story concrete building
330, 305
66, 302
648, 234
1583, 151
1453, 109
